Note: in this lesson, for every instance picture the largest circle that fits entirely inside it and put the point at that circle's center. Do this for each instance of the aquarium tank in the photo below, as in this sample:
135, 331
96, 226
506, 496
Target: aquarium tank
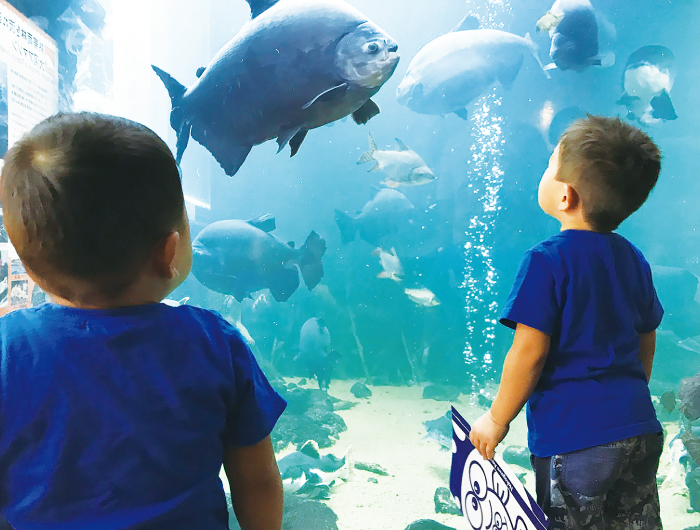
383, 160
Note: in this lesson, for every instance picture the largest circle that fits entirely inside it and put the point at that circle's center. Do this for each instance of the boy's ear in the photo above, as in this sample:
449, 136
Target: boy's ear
570, 199
165, 256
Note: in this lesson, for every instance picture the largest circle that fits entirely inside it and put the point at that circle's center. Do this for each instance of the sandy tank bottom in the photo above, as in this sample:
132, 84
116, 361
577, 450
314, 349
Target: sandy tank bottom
387, 429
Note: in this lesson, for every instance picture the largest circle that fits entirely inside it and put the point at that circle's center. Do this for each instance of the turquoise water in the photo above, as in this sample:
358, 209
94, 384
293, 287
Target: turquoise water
476, 218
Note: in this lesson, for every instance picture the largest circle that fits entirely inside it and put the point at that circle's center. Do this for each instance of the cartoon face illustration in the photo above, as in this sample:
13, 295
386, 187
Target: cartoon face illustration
488, 493
486, 502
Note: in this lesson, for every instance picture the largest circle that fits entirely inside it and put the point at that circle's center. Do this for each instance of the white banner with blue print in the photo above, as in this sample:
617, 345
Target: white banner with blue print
487, 491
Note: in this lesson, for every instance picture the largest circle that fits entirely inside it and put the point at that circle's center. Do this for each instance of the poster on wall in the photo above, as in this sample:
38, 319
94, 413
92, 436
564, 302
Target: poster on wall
28, 94
487, 492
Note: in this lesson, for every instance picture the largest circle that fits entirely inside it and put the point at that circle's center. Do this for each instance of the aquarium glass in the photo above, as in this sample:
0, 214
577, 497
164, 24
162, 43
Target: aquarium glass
419, 216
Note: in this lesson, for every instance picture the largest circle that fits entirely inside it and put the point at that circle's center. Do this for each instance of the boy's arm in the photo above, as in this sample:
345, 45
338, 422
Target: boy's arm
521, 371
256, 486
647, 348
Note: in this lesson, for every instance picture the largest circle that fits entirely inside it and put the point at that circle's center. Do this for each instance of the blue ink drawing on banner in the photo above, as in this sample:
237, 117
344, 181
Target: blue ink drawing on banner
487, 491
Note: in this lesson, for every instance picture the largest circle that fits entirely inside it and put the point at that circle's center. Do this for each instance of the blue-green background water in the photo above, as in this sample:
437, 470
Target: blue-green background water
484, 200
303, 192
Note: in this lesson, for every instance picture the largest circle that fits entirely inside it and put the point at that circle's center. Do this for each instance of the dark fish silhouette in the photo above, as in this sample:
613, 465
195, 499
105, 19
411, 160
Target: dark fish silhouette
240, 257
647, 82
297, 65
380, 219
315, 353
561, 122
677, 288
573, 26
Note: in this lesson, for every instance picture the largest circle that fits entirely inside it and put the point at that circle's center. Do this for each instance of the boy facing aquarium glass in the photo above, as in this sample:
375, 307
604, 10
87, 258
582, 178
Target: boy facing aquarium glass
117, 411
585, 313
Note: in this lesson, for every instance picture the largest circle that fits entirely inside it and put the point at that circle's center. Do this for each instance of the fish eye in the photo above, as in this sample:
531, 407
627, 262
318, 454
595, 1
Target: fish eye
372, 47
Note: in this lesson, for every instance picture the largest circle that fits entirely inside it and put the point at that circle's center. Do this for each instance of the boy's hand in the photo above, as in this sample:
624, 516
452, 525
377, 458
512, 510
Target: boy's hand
486, 434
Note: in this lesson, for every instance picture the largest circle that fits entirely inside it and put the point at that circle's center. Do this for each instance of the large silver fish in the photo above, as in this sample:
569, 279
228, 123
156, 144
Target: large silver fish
456, 68
297, 65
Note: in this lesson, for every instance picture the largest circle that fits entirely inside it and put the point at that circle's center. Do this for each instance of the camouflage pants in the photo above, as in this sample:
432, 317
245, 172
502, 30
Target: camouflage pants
606, 487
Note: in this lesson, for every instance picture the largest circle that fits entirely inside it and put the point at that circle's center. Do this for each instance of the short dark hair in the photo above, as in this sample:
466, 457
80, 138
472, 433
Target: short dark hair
88, 197
612, 165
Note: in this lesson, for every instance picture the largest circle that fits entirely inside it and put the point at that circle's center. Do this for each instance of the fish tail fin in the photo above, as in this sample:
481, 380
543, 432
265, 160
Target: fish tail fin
368, 155
607, 60
176, 91
310, 262
345, 470
347, 227
534, 50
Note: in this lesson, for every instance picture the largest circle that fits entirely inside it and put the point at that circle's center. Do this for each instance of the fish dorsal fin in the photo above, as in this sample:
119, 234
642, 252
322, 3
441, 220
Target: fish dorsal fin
200, 71
372, 144
310, 448
467, 23
260, 6
402, 146
266, 223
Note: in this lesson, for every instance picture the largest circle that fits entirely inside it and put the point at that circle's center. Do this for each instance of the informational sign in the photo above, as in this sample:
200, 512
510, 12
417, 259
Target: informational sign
28, 94
487, 491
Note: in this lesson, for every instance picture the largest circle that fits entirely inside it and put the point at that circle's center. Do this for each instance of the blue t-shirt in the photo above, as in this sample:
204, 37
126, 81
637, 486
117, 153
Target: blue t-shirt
116, 419
593, 295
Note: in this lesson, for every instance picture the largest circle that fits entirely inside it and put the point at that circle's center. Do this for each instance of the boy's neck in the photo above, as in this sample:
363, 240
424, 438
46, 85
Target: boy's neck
573, 225
573, 220
145, 290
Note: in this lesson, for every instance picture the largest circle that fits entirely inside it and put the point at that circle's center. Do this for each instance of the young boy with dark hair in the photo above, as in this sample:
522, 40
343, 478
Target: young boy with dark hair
585, 311
117, 411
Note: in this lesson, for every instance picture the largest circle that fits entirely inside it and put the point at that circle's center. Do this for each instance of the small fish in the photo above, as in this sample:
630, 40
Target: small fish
231, 311
390, 263
422, 296
175, 303
668, 400
403, 166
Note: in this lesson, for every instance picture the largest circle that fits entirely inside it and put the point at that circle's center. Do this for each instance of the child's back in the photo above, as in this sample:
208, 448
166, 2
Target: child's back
116, 418
585, 314
117, 411
592, 294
